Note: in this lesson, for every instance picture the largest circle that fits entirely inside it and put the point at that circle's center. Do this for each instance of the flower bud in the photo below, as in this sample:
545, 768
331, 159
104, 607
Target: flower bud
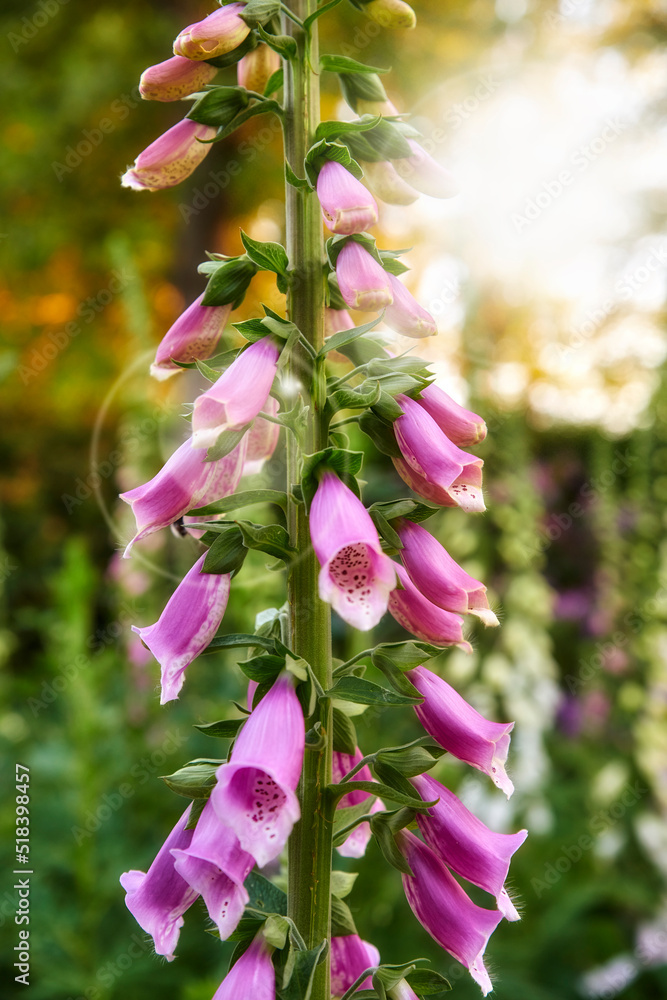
217, 34
174, 78
461, 426
347, 206
171, 158
256, 68
406, 316
363, 283
425, 174
385, 183
194, 335
391, 13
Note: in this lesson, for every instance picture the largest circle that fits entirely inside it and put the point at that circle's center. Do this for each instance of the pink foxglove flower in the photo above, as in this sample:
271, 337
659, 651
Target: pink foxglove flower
238, 395
256, 68
386, 185
461, 426
215, 866
425, 620
189, 621
171, 158
262, 439
402, 991
185, 481
363, 283
425, 174
438, 577
431, 458
252, 977
356, 843
460, 729
220, 32
347, 206
158, 898
194, 336
406, 316
350, 956
356, 576
445, 911
464, 843
254, 794
174, 78
336, 320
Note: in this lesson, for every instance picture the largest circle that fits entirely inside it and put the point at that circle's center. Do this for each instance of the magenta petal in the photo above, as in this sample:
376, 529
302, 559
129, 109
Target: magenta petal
220, 32
460, 729
174, 78
461, 426
354, 846
347, 206
194, 335
171, 158
158, 898
363, 283
425, 620
445, 911
350, 956
252, 977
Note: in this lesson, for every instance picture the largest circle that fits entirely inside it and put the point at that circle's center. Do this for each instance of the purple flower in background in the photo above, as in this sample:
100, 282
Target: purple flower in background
238, 395
347, 206
363, 283
171, 158
158, 898
174, 78
252, 977
354, 846
356, 576
445, 911
406, 316
461, 426
336, 320
464, 843
262, 439
254, 794
460, 729
385, 183
220, 32
194, 335
189, 621
184, 482
425, 620
425, 174
215, 866
350, 956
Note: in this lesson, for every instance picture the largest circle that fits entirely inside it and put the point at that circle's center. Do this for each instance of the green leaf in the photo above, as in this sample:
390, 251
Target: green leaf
428, 983
343, 64
363, 350
385, 530
345, 816
227, 553
259, 12
364, 86
334, 129
248, 498
342, 883
342, 921
392, 265
274, 82
385, 141
324, 9
264, 668
346, 465
217, 107
260, 108
226, 729
225, 443
407, 655
270, 538
229, 282
284, 45
387, 844
344, 733
379, 789
275, 930
300, 985
363, 692
300, 183
391, 776
388, 976
267, 256
413, 510
360, 398
196, 809
345, 337
242, 639
396, 677
264, 895
387, 408
195, 779
381, 434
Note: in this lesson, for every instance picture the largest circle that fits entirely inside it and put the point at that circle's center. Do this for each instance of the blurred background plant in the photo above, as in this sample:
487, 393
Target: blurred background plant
547, 277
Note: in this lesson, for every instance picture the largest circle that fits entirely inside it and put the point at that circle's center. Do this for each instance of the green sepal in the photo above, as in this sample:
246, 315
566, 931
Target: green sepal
366, 86
264, 668
195, 779
346, 816
270, 538
264, 895
388, 976
391, 263
344, 337
274, 83
225, 729
384, 835
260, 12
359, 398
342, 921
407, 655
395, 676
230, 58
428, 983
363, 692
247, 498
228, 282
284, 45
196, 809
346, 465
385, 792
210, 373
363, 350
267, 256
225, 443
410, 761
387, 408
334, 129
241, 639
384, 529
342, 883
323, 151
259, 108
412, 510
300, 183
216, 364
335, 244
403, 365
343, 64
344, 733
385, 141
391, 776
219, 106
275, 930
381, 434
227, 553
299, 986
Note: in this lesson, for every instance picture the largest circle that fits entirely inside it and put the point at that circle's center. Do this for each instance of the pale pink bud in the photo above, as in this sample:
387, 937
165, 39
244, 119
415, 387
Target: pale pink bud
406, 316
425, 620
220, 32
350, 956
464, 843
336, 320
461, 426
363, 283
194, 336
354, 846
445, 911
171, 158
438, 577
185, 481
174, 78
460, 729
425, 174
262, 439
356, 577
347, 206
256, 68
433, 466
252, 976
189, 621
238, 395
385, 183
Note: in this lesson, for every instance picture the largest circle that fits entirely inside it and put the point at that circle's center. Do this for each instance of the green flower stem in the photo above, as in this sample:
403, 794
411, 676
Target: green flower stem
309, 876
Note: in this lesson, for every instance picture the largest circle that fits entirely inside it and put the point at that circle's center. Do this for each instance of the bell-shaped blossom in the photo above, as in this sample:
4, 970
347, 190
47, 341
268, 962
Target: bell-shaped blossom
347, 206
455, 475
238, 395
350, 956
158, 898
262, 439
402, 991
425, 174
464, 843
254, 794
406, 316
461, 426
189, 621
391, 13
386, 185
174, 78
336, 320
356, 577
363, 283
445, 911
252, 977
216, 867
186, 480
194, 336
356, 843
256, 68
171, 158
424, 619
438, 577
460, 729
217, 34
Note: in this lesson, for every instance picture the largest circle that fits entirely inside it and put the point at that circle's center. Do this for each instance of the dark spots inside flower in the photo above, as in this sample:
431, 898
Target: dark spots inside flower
266, 802
351, 570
